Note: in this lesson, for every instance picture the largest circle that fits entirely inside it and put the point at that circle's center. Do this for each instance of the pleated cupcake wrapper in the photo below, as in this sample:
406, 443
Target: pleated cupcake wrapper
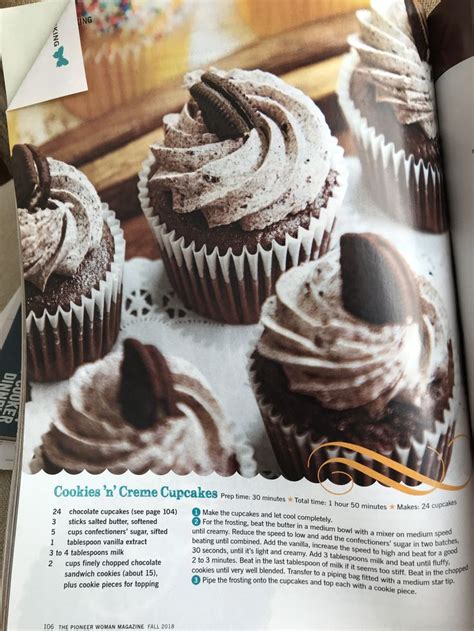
120, 74
58, 343
150, 36
410, 191
232, 287
293, 449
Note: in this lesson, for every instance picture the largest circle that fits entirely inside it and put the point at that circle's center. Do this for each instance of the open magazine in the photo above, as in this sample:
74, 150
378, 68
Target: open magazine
247, 321
10, 311
10, 304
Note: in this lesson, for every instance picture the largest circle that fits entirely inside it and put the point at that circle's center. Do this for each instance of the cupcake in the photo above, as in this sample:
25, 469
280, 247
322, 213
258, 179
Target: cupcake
245, 185
129, 47
268, 18
354, 351
73, 254
136, 410
387, 95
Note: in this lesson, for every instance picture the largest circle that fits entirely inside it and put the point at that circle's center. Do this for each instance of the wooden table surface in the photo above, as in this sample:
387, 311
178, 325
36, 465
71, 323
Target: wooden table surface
111, 148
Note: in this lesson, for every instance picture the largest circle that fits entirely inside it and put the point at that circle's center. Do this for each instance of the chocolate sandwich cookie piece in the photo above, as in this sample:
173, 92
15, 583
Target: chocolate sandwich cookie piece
146, 393
225, 109
377, 284
24, 174
32, 177
44, 174
234, 95
419, 28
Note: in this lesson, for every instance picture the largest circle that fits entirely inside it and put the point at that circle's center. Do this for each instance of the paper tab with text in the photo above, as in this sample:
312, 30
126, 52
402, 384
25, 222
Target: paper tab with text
42, 55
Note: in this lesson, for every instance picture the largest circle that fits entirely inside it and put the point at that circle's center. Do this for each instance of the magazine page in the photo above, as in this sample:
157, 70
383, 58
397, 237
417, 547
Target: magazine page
246, 406
10, 304
10, 315
451, 32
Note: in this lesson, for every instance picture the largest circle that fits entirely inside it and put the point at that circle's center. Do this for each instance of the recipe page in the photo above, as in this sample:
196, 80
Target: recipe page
246, 405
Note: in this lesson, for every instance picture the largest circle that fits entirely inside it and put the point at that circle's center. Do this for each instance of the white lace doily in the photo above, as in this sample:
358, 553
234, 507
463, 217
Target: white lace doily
152, 313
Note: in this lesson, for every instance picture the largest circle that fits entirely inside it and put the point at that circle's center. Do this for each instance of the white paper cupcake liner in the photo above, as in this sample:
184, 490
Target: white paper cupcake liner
59, 342
410, 191
232, 287
300, 456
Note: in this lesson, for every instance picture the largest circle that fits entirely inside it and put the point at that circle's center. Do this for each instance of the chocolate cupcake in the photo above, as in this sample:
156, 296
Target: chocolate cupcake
246, 185
387, 95
354, 350
136, 410
73, 254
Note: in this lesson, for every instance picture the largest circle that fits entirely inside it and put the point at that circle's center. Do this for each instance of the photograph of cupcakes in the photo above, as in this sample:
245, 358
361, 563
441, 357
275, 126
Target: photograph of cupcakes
129, 47
386, 93
246, 184
354, 350
73, 254
267, 17
137, 410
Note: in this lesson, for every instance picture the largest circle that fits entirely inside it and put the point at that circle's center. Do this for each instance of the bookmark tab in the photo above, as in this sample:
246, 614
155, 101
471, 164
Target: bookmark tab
42, 55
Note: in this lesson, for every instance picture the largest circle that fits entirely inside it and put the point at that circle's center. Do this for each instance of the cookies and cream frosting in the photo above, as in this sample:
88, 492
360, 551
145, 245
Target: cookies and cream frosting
340, 360
390, 60
256, 179
91, 433
55, 239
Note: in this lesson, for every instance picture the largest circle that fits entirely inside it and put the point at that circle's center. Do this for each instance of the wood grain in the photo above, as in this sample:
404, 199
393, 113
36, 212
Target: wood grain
139, 239
278, 54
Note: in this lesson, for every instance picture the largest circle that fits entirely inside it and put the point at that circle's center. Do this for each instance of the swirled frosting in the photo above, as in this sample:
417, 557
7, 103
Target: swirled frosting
389, 59
342, 361
56, 239
90, 432
257, 179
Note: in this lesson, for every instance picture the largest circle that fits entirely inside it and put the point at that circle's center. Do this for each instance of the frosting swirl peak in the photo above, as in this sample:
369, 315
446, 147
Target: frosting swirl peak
91, 433
256, 179
342, 361
56, 238
390, 60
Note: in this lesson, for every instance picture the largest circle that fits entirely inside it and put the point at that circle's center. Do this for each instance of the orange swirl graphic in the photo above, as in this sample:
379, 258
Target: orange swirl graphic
388, 462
